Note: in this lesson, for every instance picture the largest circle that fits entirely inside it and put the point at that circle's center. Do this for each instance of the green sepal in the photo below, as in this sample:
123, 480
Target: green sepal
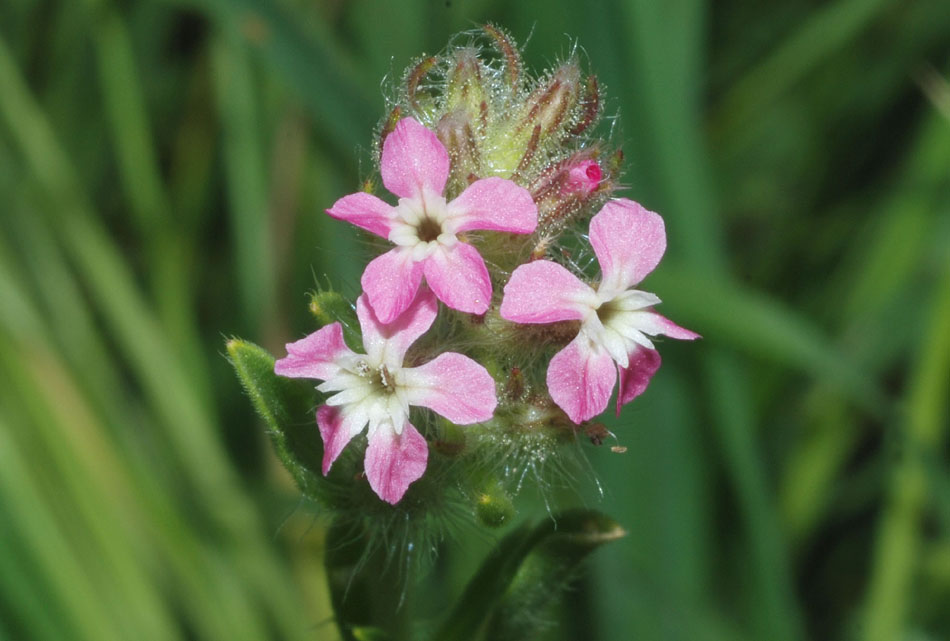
525, 572
284, 404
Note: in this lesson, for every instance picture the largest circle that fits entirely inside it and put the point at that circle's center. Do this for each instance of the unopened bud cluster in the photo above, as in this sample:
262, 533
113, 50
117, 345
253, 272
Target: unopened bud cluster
496, 120
479, 347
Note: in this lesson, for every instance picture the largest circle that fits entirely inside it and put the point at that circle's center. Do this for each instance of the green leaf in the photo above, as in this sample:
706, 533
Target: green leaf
246, 176
523, 575
309, 59
727, 313
808, 46
282, 402
900, 534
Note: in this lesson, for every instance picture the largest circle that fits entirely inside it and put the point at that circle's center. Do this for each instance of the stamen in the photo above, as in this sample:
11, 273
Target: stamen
386, 379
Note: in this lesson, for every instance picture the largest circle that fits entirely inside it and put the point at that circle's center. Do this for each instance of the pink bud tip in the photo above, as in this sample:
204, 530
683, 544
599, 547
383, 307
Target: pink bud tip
583, 177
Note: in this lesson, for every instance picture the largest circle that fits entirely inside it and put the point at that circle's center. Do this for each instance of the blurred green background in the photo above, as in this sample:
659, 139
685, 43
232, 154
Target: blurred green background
163, 171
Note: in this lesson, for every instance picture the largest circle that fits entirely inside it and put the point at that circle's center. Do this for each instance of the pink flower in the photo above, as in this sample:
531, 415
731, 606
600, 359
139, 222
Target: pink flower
583, 177
375, 389
616, 320
425, 228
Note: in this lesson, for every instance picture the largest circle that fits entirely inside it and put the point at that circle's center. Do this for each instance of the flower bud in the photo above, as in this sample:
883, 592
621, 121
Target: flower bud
551, 104
568, 186
465, 89
589, 107
582, 178
493, 506
388, 125
420, 102
542, 122
457, 133
466, 116
329, 307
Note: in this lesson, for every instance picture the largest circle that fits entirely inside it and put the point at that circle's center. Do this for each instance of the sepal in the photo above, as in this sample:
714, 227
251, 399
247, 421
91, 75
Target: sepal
509, 51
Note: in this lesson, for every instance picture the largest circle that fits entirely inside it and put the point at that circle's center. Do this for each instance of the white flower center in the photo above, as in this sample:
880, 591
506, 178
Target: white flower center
618, 323
423, 224
371, 392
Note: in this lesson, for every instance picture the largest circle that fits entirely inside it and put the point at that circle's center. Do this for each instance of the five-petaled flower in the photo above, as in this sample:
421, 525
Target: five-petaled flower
415, 167
376, 389
616, 319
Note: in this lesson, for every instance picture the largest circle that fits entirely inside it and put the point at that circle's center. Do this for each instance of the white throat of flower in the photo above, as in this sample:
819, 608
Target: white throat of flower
369, 390
423, 224
618, 321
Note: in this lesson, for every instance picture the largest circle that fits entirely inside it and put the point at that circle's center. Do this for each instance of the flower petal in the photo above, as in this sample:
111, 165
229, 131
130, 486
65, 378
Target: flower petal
391, 282
337, 428
454, 386
635, 377
413, 159
364, 210
612, 341
387, 343
314, 356
629, 242
459, 278
580, 379
393, 461
652, 323
545, 292
495, 204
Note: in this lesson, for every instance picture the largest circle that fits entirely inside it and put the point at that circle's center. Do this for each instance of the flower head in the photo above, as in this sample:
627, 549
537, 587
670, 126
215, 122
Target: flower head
375, 389
616, 319
425, 228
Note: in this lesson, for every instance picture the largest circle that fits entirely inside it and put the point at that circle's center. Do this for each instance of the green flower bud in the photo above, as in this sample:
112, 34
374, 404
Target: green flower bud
331, 307
493, 506
541, 121
465, 90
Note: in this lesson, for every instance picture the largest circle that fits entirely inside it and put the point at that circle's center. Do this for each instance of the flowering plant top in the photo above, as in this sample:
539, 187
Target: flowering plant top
485, 347
479, 351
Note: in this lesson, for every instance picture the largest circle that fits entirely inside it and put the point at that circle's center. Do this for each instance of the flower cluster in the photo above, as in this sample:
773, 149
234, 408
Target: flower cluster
489, 169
